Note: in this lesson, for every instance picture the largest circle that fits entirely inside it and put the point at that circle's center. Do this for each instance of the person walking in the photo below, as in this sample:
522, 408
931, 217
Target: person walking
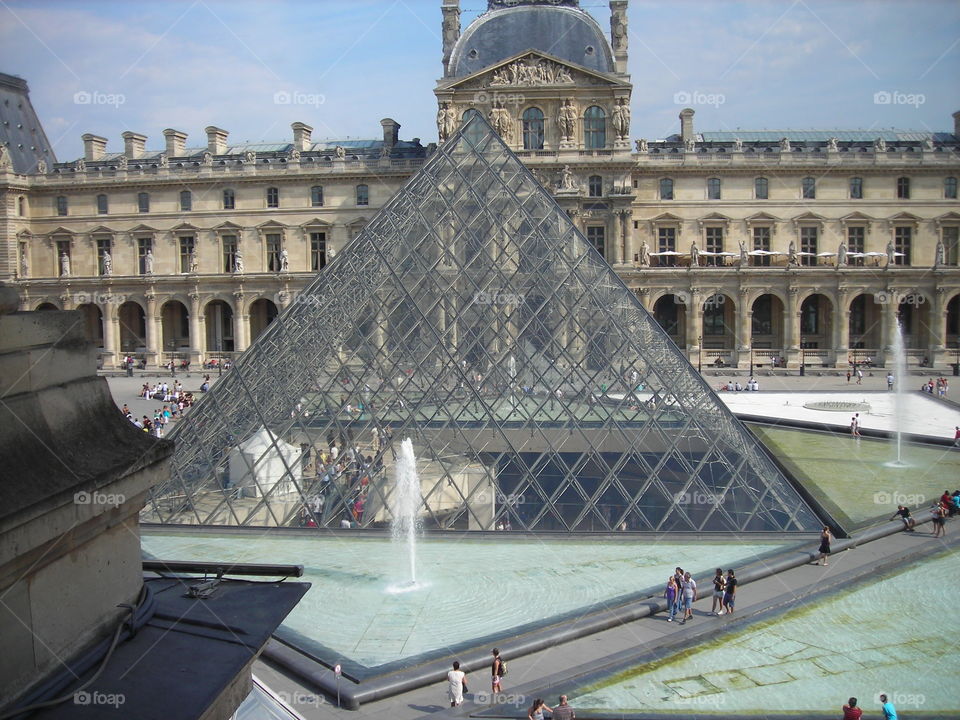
824, 546
457, 681
563, 711
718, 587
889, 381
730, 593
670, 593
889, 711
536, 710
939, 520
689, 588
859, 376
497, 671
678, 581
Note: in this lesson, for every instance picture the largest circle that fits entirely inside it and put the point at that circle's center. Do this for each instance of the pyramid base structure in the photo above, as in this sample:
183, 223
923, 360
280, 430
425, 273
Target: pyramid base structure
471, 316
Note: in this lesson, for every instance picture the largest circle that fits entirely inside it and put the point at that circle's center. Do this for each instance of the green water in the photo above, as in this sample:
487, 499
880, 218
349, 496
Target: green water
470, 588
896, 635
853, 479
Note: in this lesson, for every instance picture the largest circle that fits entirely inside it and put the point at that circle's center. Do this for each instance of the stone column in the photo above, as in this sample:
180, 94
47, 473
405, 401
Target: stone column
841, 330
744, 325
241, 324
154, 343
197, 342
627, 238
111, 334
888, 326
938, 326
644, 295
791, 327
695, 324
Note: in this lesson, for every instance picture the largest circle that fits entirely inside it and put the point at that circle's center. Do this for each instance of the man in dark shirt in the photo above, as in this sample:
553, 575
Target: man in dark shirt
729, 593
851, 711
904, 513
563, 711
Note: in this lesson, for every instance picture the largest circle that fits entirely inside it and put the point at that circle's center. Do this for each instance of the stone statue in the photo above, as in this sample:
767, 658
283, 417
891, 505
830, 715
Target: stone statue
122, 162
163, 161
566, 179
284, 260
939, 255
784, 145
891, 253
694, 254
249, 156
879, 145
621, 118
567, 120
689, 145
64, 264
618, 29
4, 157
644, 255
928, 144
107, 263
743, 255
41, 167
80, 165
194, 263
832, 145
295, 154
148, 263
206, 158
842, 254
24, 266
738, 145
792, 260
238, 262
500, 120
642, 145
340, 152
446, 121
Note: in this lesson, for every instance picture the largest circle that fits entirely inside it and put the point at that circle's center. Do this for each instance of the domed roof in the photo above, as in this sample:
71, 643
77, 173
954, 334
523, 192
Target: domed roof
567, 33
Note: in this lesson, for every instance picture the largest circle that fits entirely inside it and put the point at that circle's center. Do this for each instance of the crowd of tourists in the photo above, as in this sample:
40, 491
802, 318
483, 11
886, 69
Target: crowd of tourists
176, 401
681, 592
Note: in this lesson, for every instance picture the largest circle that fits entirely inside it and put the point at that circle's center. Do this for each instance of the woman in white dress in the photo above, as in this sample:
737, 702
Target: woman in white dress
457, 679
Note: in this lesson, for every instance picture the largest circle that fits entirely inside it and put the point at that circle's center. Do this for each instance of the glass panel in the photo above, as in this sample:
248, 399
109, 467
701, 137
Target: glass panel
666, 189
902, 237
761, 188
808, 245
761, 241
532, 129
594, 128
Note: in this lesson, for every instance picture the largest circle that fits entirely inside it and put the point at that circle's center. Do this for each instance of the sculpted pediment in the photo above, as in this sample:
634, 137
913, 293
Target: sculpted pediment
532, 69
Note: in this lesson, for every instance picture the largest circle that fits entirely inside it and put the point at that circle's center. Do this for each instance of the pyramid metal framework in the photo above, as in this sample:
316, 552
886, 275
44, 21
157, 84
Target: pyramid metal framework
471, 316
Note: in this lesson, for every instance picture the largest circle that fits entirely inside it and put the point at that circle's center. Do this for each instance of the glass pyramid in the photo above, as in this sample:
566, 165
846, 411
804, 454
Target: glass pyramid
471, 316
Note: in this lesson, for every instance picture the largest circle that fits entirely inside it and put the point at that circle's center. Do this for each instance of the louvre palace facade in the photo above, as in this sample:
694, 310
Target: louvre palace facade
749, 247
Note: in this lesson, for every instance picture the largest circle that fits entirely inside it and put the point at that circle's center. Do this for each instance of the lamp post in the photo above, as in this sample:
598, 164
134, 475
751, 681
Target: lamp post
700, 353
803, 357
751, 357
219, 358
173, 365
956, 360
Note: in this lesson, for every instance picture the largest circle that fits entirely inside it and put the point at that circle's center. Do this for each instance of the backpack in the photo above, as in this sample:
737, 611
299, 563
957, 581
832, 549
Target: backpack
503, 668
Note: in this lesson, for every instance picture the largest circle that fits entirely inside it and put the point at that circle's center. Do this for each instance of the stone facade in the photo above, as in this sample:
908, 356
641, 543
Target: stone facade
787, 246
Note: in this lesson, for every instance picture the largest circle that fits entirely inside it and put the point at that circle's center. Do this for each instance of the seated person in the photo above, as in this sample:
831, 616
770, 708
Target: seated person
904, 514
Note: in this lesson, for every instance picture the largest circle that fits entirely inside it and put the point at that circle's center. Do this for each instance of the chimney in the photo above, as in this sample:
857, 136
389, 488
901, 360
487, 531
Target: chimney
450, 30
94, 147
176, 142
216, 140
391, 132
301, 136
133, 144
686, 124
956, 124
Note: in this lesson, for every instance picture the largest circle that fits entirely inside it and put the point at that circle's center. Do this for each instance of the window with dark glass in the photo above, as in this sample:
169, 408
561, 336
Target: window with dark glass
186, 252
229, 253
474, 133
950, 188
713, 243
229, 199
102, 204
143, 202
810, 316
61, 205
273, 197
666, 189
316, 196
902, 240
318, 250
903, 188
808, 244
186, 201
667, 242
594, 128
595, 186
713, 188
274, 250
533, 129
809, 188
856, 188
762, 320
858, 320
761, 188
761, 241
951, 245
363, 195
713, 315
144, 246
596, 236
856, 243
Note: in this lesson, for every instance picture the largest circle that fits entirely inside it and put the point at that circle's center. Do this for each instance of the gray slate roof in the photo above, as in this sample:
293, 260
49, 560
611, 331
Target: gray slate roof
20, 129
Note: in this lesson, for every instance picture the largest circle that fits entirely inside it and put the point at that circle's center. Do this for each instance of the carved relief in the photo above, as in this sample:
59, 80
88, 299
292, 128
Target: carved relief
529, 71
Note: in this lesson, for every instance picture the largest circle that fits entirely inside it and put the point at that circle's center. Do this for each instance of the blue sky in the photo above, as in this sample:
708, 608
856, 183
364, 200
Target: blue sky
107, 67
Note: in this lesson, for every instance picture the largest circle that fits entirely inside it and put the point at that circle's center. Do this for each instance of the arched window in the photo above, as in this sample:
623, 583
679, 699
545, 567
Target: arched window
186, 201
595, 186
229, 199
809, 188
273, 197
761, 188
316, 196
533, 129
474, 133
594, 128
950, 188
713, 188
363, 195
666, 188
102, 205
143, 202
903, 188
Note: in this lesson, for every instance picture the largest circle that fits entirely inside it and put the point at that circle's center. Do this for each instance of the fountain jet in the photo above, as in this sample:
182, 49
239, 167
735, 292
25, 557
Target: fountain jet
405, 505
